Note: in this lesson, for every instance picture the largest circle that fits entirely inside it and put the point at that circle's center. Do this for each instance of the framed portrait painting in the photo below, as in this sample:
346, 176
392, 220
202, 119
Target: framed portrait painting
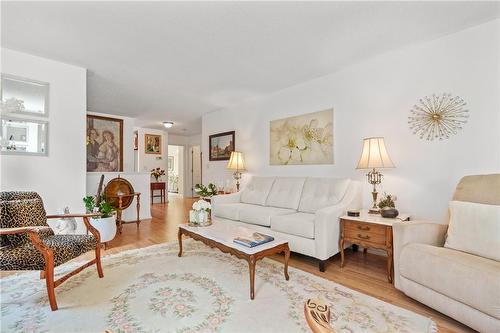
152, 144
221, 145
104, 144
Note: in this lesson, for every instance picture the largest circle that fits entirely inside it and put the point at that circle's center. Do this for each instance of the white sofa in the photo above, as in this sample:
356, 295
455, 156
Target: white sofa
305, 211
454, 277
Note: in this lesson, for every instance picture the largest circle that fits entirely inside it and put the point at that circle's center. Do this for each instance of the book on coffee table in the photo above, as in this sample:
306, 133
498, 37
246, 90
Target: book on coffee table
253, 240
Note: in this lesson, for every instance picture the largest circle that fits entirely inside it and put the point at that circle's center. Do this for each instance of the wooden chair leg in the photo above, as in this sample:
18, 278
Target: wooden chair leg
98, 260
49, 281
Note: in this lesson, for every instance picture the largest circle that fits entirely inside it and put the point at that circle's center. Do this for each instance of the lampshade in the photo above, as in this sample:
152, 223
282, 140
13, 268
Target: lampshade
374, 155
236, 161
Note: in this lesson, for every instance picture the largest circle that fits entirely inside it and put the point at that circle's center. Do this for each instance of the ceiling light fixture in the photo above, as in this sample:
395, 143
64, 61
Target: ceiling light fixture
168, 124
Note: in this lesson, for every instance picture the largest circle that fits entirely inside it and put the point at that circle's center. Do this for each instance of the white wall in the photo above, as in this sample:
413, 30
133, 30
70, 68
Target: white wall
373, 98
128, 139
59, 177
147, 162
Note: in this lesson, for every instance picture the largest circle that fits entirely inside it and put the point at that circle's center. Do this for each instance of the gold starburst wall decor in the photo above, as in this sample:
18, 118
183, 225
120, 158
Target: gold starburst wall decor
438, 116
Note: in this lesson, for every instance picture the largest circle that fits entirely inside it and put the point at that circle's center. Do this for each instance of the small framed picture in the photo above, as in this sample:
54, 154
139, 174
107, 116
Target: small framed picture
221, 145
152, 144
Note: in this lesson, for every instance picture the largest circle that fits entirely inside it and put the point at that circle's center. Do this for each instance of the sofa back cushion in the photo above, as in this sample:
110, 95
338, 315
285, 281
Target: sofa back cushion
322, 192
257, 190
286, 192
474, 228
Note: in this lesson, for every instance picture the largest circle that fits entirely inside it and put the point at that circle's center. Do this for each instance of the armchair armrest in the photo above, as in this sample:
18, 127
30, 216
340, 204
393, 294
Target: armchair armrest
85, 217
422, 232
226, 198
22, 230
63, 216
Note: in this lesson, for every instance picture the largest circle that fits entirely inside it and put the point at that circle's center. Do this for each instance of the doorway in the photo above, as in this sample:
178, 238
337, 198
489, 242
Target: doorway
175, 170
196, 170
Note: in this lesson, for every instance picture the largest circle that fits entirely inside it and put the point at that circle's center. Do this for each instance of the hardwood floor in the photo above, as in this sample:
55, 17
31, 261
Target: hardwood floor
363, 272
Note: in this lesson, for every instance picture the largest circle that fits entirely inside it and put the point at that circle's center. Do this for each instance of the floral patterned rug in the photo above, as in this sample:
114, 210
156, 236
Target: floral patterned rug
153, 290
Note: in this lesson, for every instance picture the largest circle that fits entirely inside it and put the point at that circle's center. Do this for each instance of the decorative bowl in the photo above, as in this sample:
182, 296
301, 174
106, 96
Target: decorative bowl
389, 212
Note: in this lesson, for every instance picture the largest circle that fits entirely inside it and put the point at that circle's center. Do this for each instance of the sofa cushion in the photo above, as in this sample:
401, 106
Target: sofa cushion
474, 228
257, 190
261, 215
286, 192
322, 192
298, 224
464, 277
229, 211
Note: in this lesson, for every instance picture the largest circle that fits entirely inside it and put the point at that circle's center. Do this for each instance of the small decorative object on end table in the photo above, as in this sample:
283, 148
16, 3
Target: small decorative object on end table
374, 155
388, 207
369, 231
157, 173
236, 163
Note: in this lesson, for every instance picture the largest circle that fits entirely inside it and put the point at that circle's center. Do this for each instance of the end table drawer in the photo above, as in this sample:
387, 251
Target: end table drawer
365, 227
365, 236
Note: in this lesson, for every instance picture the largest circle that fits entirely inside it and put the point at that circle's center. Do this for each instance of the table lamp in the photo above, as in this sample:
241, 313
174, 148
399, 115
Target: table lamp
374, 156
236, 163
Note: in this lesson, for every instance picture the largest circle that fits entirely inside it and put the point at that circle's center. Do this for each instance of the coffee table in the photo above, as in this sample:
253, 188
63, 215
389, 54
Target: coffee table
220, 235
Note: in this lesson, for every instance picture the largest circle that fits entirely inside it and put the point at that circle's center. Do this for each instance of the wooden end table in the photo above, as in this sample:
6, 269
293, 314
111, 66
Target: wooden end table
158, 186
369, 231
220, 235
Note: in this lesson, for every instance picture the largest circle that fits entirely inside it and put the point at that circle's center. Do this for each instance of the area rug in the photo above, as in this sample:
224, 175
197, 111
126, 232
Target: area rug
153, 290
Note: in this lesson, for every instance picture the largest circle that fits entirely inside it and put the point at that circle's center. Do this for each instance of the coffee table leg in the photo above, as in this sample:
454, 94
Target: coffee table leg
251, 268
287, 256
179, 236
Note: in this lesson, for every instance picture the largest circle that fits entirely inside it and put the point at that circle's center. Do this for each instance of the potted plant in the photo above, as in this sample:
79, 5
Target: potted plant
106, 223
388, 206
157, 173
206, 191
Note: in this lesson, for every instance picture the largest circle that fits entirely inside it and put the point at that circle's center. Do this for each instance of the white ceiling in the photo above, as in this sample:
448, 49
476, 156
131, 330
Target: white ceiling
159, 61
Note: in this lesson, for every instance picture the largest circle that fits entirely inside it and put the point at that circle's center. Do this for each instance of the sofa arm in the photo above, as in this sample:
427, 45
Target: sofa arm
326, 231
415, 232
226, 198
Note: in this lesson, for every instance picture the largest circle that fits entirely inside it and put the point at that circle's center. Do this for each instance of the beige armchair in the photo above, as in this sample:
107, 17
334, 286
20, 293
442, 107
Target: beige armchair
461, 285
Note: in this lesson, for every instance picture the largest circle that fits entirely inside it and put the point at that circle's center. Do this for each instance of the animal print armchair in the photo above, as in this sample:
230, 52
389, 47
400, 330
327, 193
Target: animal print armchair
28, 243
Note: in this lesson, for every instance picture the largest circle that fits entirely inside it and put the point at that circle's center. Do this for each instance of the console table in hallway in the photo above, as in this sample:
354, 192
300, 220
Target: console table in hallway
158, 186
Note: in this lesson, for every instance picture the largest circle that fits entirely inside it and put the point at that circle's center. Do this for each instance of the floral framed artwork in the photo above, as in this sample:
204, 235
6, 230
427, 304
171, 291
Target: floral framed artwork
152, 144
104, 144
221, 145
302, 140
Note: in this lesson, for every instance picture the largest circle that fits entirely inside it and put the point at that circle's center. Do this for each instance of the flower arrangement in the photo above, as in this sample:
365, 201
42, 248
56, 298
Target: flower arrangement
202, 205
388, 200
200, 214
157, 173
205, 191
92, 205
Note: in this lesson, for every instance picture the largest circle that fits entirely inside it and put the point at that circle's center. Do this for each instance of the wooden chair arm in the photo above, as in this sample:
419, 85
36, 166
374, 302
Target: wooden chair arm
124, 195
92, 230
63, 216
22, 230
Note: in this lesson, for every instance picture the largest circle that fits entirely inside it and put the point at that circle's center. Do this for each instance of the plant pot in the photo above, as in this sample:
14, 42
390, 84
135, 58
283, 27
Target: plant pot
106, 227
389, 212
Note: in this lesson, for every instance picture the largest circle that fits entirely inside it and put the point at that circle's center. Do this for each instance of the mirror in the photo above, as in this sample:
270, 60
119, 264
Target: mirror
23, 136
24, 96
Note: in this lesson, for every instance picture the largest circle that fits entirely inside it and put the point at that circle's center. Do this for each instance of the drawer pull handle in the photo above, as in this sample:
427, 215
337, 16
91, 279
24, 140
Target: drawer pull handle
363, 237
365, 228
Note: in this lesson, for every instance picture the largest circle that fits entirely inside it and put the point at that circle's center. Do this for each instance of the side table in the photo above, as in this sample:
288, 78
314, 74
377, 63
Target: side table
369, 231
158, 186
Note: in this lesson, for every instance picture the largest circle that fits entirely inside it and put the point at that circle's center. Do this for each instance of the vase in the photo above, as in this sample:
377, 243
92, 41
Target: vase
389, 212
106, 227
